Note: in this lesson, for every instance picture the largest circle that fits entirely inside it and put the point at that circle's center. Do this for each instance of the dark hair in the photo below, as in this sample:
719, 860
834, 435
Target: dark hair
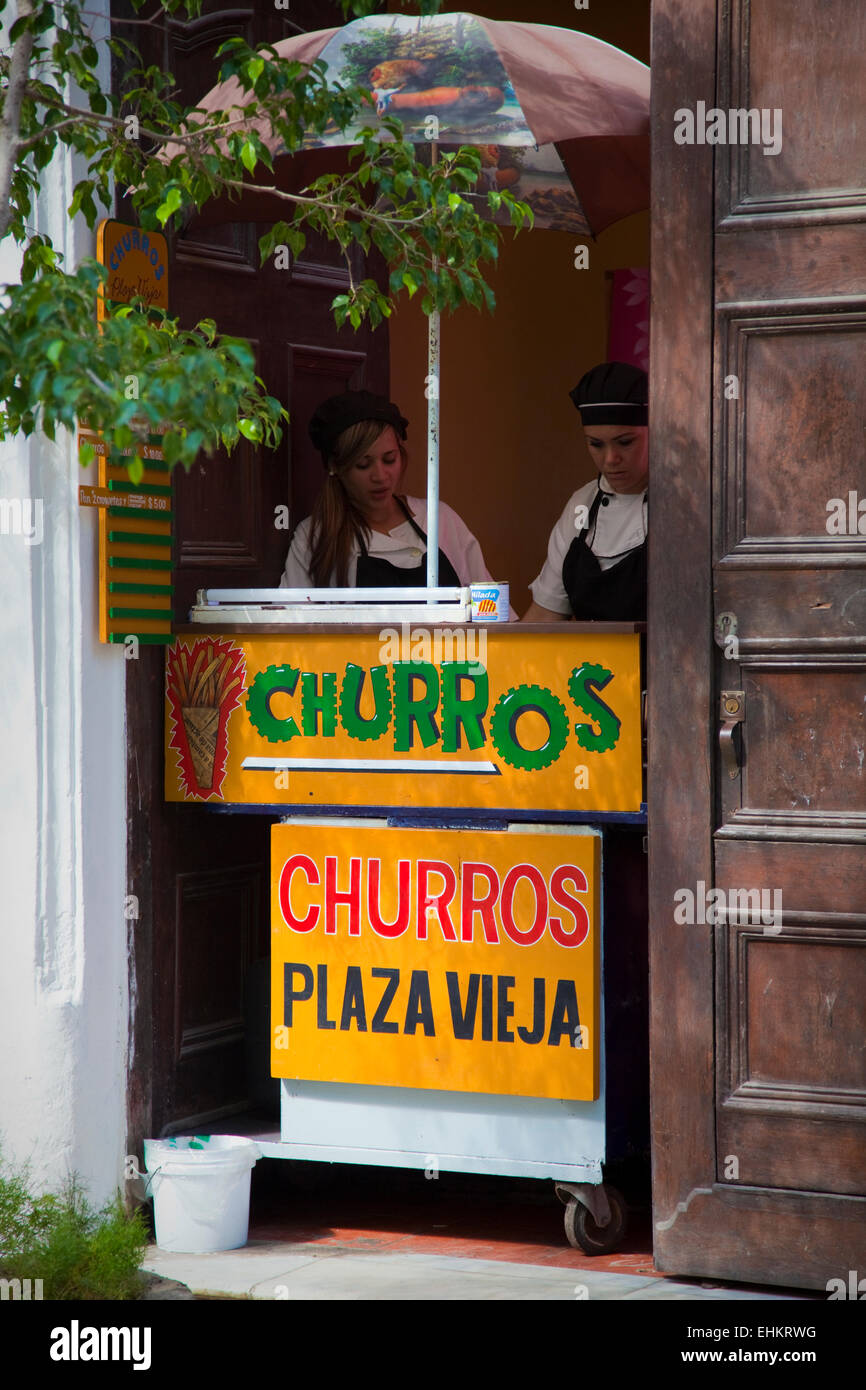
336, 521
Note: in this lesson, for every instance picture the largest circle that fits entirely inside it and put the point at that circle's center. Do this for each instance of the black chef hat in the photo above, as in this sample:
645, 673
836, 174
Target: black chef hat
613, 393
337, 413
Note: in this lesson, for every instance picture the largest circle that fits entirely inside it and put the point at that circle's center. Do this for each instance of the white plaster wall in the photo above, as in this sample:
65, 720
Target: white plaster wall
63, 982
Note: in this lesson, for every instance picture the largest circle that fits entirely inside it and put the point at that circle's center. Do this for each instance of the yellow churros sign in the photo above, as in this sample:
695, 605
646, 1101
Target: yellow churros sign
446, 959
358, 718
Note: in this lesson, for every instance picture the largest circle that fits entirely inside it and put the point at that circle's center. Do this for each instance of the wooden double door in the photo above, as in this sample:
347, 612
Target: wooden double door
757, 641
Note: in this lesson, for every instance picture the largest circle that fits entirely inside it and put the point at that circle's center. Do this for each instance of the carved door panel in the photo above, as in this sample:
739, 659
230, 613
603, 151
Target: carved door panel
758, 417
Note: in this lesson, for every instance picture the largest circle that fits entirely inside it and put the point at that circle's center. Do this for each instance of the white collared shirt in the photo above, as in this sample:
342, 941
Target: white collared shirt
402, 547
620, 526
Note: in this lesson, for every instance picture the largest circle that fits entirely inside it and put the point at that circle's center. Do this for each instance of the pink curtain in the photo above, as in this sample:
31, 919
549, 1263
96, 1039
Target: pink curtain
629, 318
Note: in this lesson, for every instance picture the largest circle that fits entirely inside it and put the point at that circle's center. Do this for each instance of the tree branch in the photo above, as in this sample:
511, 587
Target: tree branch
158, 16
19, 66
24, 146
98, 382
365, 213
336, 209
80, 114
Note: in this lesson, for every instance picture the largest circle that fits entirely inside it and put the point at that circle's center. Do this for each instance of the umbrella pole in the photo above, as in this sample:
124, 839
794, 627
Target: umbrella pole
433, 450
433, 433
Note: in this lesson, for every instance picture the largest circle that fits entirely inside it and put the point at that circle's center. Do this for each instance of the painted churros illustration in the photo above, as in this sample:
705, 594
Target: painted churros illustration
204, 683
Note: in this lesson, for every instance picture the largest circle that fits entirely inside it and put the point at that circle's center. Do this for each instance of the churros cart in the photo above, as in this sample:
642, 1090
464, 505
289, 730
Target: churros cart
457, 883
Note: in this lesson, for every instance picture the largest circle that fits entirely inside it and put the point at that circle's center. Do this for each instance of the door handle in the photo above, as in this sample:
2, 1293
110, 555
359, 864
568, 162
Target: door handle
732, 712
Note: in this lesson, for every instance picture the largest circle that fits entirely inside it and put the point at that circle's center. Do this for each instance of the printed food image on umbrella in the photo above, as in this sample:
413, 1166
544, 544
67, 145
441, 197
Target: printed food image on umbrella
465, 72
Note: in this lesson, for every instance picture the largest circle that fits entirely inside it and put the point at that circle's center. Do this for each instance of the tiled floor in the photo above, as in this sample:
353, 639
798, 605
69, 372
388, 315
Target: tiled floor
323, 1232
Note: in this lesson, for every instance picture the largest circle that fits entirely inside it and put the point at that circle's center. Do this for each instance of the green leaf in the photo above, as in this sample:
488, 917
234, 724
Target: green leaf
470, 288
228, 46
242, 354
248, 156
251, 429
135, 468
169, 205
171, 446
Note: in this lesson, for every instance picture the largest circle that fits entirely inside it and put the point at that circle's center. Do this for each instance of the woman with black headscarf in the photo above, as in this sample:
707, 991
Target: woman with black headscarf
364, 532
596, 568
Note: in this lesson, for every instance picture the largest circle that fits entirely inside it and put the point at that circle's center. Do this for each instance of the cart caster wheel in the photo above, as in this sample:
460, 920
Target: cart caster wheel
585, 1235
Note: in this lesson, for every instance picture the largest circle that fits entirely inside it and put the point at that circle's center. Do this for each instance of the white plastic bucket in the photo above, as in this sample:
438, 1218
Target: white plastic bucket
201, 1190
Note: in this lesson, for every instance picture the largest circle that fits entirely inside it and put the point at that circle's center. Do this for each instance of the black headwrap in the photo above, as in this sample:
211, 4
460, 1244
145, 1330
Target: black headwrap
337, 413
613, 393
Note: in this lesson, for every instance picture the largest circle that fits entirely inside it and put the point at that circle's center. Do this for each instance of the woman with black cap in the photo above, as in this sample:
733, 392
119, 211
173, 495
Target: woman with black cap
363, 532
596, 566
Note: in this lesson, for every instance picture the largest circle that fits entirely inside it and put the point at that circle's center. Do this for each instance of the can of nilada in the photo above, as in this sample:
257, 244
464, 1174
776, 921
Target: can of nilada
489, 603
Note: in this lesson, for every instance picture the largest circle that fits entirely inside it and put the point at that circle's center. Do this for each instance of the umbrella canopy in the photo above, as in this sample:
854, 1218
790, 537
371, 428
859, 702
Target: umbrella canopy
561, 121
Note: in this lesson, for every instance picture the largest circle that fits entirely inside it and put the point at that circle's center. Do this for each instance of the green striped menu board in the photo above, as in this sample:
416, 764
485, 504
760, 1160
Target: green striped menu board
135, 588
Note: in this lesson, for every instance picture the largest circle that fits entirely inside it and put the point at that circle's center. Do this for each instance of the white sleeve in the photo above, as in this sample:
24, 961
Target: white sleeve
296, 574
547, 588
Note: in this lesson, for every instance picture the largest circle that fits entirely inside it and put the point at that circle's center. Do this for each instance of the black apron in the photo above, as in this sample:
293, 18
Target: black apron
375, 573
614, 595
